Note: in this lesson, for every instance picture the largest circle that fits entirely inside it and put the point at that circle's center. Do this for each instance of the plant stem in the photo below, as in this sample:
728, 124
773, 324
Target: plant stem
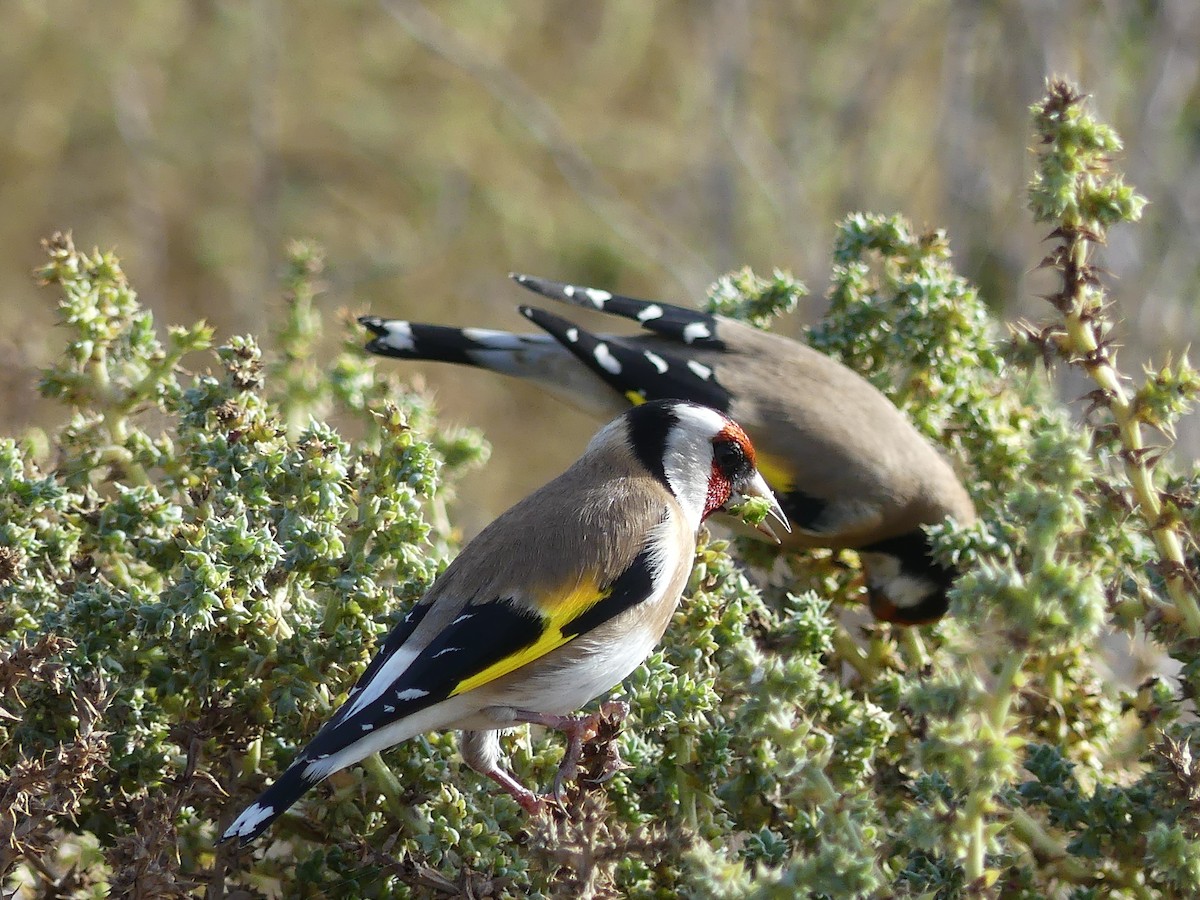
1043, 846
993, 730
1002, 694
852, 655
387, 783
976, 839
914, 652
1083, 343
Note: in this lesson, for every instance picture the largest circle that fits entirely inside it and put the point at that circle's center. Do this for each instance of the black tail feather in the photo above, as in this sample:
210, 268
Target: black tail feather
270, 805
408, 340
688, 326
637, 373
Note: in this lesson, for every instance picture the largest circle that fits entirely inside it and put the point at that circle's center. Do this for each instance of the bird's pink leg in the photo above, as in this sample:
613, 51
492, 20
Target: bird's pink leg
481, 751
530, 802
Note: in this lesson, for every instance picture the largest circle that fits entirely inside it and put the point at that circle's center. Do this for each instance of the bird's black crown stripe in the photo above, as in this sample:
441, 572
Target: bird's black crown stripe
688, 326
635, 373
649, 425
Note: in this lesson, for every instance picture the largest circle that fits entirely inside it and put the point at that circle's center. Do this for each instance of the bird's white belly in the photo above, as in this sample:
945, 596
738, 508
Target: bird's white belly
596, 666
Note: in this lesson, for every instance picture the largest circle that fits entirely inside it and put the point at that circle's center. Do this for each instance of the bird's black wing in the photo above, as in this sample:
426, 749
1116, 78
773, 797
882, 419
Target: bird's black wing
687, 326
637, 373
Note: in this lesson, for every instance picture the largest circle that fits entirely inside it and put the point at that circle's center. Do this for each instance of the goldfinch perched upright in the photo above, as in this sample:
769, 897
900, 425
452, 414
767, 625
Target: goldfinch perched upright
850, 470
551, 605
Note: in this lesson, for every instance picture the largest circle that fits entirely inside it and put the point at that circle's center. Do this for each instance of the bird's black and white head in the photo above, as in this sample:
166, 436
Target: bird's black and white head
702, 456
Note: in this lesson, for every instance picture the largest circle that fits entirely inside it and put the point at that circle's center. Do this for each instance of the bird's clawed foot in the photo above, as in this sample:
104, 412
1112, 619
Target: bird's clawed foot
602, 757
591, 748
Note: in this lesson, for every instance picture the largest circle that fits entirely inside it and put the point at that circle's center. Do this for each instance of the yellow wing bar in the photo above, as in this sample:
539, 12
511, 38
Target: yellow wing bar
564, 609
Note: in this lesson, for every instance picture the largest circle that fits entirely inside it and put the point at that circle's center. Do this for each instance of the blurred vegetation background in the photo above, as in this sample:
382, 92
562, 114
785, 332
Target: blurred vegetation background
641, 147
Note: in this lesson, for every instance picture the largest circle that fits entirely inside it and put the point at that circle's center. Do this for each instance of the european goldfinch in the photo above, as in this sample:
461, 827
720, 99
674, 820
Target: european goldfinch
850, 470
551, 605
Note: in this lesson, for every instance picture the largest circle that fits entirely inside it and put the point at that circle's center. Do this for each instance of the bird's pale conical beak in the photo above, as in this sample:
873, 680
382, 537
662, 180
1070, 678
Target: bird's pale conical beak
756, 486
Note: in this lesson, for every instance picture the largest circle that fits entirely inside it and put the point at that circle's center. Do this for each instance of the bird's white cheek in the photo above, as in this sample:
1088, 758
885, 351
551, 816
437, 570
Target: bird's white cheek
688, 476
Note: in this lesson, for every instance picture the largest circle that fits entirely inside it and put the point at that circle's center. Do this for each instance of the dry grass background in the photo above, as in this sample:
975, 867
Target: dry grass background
643, 147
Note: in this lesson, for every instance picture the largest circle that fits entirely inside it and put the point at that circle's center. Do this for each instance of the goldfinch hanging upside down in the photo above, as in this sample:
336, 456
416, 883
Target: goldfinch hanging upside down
551, 605
850, 470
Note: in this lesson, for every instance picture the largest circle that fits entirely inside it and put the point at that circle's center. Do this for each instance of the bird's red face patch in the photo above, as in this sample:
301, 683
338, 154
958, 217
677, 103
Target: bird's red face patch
733, 460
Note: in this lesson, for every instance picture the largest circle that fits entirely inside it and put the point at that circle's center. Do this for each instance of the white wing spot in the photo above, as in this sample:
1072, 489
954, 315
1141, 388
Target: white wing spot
653, 311
392, 668
597, 297
694, 331
399, 335
388, 708
657, 361
462, 618
699, 369
572, 335
606, 360
411, 694
368, 727
447, 650
569, 290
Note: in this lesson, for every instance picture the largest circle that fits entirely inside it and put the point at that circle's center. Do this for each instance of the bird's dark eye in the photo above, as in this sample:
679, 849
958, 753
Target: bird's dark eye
729, 456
